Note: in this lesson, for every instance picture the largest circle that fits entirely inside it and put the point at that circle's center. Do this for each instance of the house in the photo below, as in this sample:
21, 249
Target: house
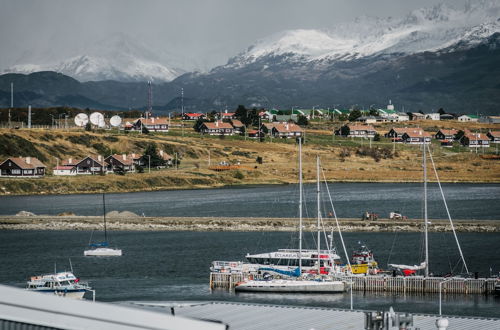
225, 115
193, 116
267, 128
494, 136
64, 170
396, 133
153, 124
120, 163
363, 131
490, 120
286, 130
446, 136
217, 128
417, 116
265, 115
87, 165
372, 119
416, 137
472, 118
166, 157
402, 116
433, 116
475, 140
254, 134
22, 167
239, 127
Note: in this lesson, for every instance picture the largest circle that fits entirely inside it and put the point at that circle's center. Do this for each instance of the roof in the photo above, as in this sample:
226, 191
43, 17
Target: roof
154, 121
361, 128
287, 127
22, 162
228, 114
60, 168
77, 161
237, 123
402, 130
217, 125
123, 158
193, 114
471, 116
448, 131
494, 133
420, 133
477, 137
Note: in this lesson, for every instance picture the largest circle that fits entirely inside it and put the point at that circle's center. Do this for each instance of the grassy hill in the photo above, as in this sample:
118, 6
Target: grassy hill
342, 159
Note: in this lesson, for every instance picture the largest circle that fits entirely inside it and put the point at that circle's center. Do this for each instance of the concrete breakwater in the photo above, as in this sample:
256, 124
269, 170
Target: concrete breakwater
136, 223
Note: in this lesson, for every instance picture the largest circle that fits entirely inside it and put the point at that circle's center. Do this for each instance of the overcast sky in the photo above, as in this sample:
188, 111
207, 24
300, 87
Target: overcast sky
206, 31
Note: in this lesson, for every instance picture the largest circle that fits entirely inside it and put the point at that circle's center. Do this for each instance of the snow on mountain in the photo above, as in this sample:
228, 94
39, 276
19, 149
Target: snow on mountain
114, 58
426, 29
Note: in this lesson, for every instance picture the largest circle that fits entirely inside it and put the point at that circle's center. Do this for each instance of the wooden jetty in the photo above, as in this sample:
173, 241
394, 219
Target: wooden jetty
410, 284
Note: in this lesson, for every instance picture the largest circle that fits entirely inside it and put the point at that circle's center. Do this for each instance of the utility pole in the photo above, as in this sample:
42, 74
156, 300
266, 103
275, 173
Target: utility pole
182, 110
29, 116
12, 95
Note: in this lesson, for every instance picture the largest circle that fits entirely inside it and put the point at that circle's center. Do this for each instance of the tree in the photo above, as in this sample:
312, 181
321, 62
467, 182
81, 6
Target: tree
145, 130
376, 137
151, 156
345, 130
259, 160
441, 111
88, 127
197, 125
355, 114
373, 112
460, 134
302, 120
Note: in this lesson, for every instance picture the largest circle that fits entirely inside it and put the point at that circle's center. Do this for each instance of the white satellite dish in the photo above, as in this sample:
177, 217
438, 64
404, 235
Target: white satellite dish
97, 119
81, 119
115, 121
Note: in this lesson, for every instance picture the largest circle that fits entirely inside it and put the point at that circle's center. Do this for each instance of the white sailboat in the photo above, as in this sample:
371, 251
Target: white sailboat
102, 248
321, 284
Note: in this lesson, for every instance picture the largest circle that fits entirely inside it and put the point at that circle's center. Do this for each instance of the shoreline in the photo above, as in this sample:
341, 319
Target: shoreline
132, 223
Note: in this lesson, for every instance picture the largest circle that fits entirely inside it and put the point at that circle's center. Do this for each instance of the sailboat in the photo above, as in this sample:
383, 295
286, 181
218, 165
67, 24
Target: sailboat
102, 248
424, 265
301, 284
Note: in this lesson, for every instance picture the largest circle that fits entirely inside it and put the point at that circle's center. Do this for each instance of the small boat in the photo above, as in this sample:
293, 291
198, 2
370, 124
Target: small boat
363, 262
63, 284
102, 248
291, 286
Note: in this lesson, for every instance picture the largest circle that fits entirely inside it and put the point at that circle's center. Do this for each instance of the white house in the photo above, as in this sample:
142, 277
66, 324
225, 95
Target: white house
403, 116
64, 170
433, 116
468, 118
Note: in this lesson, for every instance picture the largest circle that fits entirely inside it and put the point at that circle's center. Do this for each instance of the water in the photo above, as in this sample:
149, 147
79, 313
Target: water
466, 201
173, 266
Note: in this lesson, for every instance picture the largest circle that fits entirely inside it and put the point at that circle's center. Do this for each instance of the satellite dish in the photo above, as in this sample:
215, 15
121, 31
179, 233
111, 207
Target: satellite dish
97, 119
81, 119
115, 121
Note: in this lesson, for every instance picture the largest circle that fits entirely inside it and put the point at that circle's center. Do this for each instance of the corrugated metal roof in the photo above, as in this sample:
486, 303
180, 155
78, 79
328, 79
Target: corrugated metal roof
242, 316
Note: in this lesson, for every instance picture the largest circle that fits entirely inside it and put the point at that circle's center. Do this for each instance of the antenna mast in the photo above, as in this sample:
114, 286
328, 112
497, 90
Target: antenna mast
182, 110
300, 205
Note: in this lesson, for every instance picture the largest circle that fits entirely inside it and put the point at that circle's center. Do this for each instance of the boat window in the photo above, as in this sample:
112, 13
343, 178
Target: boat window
47, 284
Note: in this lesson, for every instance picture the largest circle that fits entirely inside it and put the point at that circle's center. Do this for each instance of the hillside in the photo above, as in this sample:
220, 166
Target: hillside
342, 160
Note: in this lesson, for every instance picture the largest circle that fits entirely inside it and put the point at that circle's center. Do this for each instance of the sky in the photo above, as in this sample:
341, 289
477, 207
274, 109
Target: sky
197, 34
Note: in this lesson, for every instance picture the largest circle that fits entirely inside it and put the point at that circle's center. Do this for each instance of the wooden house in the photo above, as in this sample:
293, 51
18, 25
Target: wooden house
225, 115
286, 130
193, 116
120, 163
446, 134
87, 165
152, 124
396, 133
267, 128
475, 140
494, 136
217, 128
417, 116
64, 170
362, 131
239, 127
416, 137
22, 167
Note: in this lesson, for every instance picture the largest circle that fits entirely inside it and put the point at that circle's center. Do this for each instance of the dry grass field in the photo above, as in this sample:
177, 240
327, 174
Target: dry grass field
342, 159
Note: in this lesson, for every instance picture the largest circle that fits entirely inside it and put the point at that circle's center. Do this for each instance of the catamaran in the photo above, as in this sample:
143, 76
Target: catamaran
304, 283
102, 248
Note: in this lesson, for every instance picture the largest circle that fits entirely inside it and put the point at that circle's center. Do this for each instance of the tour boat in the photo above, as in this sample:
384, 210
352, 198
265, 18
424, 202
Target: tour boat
102, 248
363, 262
63, 284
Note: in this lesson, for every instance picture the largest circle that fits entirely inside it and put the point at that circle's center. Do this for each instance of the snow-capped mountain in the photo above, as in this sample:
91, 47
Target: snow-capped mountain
427, 29
115, 58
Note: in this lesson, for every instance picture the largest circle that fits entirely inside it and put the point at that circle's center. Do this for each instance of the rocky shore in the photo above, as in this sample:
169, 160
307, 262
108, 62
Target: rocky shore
130, 222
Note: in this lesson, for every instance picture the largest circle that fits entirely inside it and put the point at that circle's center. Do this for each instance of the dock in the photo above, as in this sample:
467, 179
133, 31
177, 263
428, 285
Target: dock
376, 283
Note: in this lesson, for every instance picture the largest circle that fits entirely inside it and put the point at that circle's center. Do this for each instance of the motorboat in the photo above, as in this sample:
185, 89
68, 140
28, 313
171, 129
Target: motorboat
64, 284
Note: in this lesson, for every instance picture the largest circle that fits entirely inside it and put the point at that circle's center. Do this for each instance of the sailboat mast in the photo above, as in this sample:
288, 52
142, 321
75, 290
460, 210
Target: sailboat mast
300, 205
426, 222
104, 215
319, 213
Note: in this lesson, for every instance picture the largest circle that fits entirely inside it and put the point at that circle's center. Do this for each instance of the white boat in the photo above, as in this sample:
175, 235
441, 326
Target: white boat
63, 284
291, 286
102, 248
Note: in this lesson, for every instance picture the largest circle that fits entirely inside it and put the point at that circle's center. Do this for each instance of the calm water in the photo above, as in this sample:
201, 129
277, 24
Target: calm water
166, 266
466, 201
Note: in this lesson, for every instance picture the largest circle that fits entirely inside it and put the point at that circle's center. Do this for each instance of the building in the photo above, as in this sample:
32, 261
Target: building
416, 137
193, 116
417, 116
372, 119
22, 167
472, 118
225, 115
363, 131
153, 124
433, 116
217, 128
87, 165
396, 133
475, 140
446, 134
494, 136
286, 130
64, 170
120, 163
267, 128
490, 120
447, 116
239, 127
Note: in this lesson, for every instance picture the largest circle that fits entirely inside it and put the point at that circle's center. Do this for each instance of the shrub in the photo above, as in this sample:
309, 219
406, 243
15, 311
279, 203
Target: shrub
259, 160
238, 175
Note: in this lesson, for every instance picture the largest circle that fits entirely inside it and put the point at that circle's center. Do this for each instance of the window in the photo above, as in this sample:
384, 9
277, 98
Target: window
15, 171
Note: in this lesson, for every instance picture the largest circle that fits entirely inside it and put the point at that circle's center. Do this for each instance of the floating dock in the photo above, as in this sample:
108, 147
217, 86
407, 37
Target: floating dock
410, 284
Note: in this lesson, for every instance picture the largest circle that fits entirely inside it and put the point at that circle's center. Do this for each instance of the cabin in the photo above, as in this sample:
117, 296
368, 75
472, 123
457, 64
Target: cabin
152, 124
217, 128
417, 116
475, 140
396, 133
193, 116
64, 170
267, 128
120, 163
265, 115
494, 136
239, 127
468, 118
22, 167
362, 131
416, 137
88, 165
254, 134
433, 116
286, 130
446, 134
225, 115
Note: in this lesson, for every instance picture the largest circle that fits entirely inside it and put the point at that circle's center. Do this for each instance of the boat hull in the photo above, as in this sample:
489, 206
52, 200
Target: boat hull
72, 294
289, 286
103, 252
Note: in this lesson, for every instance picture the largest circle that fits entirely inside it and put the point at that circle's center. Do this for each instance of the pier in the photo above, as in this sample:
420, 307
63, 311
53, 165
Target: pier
409, 284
